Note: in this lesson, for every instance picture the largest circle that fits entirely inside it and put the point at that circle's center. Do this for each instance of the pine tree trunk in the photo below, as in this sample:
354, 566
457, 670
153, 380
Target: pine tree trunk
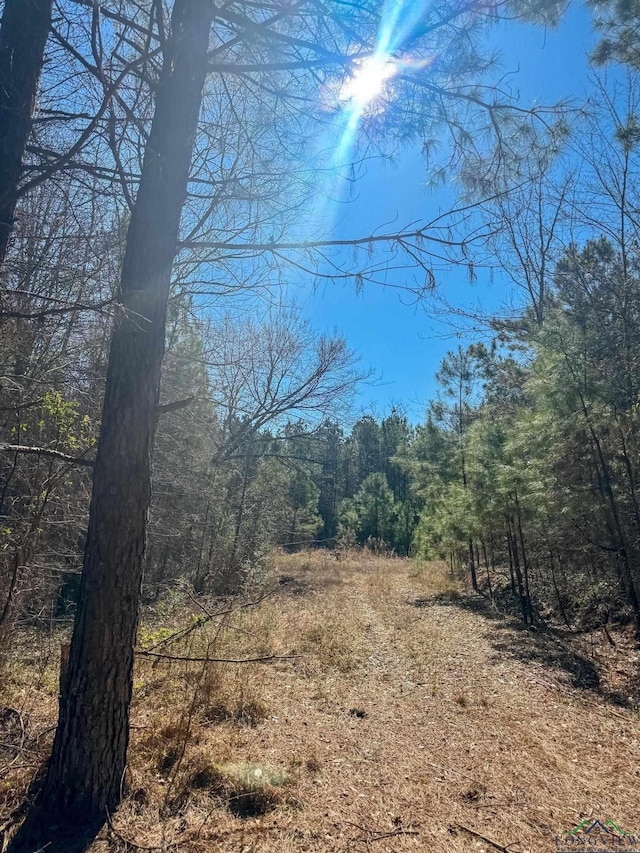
525, 561
87, 766
513, 550
23, 35
510, 553
486, 565
624, 560
472, 566
554, 581
198, 578
233, 577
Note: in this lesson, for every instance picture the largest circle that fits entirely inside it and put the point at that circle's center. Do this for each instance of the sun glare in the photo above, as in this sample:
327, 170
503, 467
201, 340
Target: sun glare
367, 82
364, 92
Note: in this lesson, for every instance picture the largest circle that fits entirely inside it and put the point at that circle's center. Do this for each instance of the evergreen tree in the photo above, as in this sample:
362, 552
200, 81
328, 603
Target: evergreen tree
371, 512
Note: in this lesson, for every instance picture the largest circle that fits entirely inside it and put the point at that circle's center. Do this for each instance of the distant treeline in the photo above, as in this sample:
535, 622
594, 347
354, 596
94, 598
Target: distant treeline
525, 473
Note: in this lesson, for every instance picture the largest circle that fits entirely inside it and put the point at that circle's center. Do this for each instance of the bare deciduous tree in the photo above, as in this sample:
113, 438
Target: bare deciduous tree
23, 35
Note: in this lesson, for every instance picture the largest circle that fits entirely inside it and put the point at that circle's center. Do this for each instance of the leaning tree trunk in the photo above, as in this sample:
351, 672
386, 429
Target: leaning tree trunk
23, 35
86, 770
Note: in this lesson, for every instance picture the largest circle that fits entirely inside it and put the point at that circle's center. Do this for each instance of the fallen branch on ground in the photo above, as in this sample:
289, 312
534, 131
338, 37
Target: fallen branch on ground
380, 834
263, 659
484, 838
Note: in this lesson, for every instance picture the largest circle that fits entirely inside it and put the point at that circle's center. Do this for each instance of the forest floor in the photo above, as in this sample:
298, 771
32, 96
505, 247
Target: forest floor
411, 717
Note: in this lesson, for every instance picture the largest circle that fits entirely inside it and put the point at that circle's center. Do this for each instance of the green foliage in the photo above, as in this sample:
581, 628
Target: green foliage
530, 458
62, 421
618, 21
371, 513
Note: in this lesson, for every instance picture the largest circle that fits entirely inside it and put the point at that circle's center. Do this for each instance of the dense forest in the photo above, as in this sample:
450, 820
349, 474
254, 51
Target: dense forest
524, 473
168, 419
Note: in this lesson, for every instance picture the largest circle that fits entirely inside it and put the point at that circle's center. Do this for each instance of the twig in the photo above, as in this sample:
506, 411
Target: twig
484, 838
378, 835
394, 832
213, 617
612, 642
263, 659
183, 632
48, 312
19, 406
113, 831
16, 747
45, 451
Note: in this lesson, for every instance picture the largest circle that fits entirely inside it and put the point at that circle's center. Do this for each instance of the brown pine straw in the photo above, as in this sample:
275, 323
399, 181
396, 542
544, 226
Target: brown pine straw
473, 735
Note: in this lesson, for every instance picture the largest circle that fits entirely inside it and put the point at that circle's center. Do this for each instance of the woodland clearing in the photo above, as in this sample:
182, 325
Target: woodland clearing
400, 712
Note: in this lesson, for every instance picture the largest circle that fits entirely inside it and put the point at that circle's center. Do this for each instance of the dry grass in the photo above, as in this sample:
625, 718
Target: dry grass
407, 721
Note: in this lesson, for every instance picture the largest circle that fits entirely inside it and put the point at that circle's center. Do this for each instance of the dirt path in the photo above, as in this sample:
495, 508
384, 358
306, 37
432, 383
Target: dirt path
437, 723
413, 719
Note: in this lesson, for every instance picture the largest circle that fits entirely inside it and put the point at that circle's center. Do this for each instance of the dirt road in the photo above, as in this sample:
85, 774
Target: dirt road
413, 717
435, 724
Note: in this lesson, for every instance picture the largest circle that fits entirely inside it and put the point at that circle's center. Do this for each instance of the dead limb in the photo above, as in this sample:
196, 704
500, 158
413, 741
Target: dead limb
45, 451
165, 408
484, 838
188, 659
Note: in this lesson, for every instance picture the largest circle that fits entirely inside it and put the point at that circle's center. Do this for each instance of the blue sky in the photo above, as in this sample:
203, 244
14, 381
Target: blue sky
400, 342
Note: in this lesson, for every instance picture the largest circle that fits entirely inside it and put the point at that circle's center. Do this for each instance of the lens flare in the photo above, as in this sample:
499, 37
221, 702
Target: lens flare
367, 82
366, 92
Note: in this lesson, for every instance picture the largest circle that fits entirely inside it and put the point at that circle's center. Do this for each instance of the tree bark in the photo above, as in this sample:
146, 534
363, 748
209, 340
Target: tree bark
232, 576
472, 567
23, 35
515, 560
624, 561
486, 565
554, 581
525, 561
86, 771
511, 574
